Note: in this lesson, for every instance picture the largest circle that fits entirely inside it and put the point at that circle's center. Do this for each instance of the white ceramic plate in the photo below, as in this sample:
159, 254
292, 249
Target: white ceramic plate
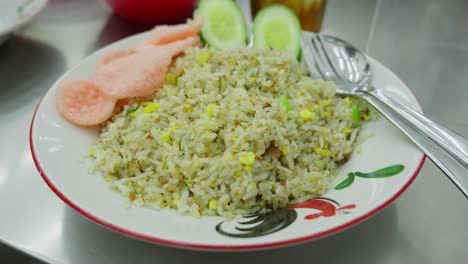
57, 147
16, 13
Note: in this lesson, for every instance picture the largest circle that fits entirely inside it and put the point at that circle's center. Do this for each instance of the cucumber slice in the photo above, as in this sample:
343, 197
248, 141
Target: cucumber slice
276, 26
223, 23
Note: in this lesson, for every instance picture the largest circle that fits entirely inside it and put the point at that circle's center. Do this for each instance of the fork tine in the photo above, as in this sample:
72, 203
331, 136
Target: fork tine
309, 57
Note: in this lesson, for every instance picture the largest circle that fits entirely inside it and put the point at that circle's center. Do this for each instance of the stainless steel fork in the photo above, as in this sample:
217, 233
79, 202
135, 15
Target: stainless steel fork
351, 72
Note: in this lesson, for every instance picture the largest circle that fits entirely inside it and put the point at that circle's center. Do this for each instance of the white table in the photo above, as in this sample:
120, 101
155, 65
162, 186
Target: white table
424, 41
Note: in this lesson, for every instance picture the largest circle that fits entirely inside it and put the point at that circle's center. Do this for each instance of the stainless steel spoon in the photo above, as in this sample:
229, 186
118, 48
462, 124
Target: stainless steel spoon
330, 58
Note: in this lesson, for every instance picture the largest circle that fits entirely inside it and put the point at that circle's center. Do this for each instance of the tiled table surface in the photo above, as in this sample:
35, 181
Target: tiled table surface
425, 42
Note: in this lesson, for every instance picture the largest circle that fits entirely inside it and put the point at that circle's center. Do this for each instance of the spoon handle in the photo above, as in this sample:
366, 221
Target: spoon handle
452, 142
452, 167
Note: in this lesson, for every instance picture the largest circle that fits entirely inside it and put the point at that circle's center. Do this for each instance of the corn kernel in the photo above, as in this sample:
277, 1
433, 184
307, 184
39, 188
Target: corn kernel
285, 150
91, 152
151, 108
171, 78
213, 204
358, 150
314, 108
307, 114
164, 203
209, 110
347, 130
204, 56
109, 178
166, 137
247, 159
326, 103
324, 152
319, 164
136, 113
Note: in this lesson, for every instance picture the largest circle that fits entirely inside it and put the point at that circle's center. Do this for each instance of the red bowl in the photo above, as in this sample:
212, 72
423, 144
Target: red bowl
153, 11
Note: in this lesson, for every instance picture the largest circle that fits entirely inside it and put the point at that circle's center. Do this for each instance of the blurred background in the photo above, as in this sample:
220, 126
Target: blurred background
425, 42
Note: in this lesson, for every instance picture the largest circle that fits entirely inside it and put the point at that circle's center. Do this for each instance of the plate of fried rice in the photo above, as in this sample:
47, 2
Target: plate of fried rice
239, 149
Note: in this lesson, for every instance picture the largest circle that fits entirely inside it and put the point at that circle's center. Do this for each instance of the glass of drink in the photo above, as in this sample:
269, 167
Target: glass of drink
309, 12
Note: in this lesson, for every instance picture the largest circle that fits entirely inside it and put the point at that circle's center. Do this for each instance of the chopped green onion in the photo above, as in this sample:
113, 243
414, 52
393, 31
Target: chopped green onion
356, 115
286, 103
